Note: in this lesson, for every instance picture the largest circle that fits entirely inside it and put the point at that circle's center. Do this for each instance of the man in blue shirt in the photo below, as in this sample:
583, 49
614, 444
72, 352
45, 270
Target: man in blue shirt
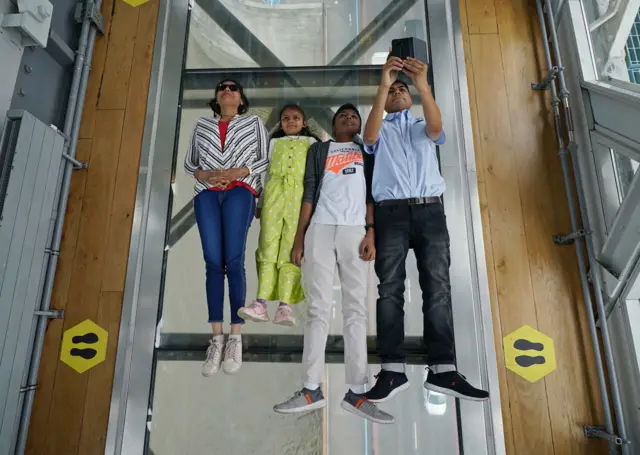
407, 189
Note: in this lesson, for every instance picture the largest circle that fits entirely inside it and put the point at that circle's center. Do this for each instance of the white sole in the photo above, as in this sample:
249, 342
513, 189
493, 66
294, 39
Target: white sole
226, 371
393, 393
451, 393
247, 317
285, 323
208, 375
353, 410
312, 407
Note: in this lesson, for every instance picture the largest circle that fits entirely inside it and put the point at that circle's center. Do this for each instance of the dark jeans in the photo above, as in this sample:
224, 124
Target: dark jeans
223, 219
423, 228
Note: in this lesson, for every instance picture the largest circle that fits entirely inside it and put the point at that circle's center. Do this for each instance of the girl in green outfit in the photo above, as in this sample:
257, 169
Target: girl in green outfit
278, 211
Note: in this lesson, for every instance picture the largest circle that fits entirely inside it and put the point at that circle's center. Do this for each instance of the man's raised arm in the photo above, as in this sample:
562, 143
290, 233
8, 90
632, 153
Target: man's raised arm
374, 122
417, 70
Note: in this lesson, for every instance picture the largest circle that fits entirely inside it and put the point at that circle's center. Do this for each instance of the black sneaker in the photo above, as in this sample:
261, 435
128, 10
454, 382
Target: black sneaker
388, 385
454, 384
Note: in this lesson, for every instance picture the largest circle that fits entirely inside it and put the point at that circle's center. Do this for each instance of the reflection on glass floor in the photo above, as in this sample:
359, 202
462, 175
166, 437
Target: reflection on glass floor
233, 415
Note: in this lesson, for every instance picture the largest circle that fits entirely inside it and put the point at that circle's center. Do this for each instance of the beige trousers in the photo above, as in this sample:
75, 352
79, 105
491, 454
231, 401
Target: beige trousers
325, 247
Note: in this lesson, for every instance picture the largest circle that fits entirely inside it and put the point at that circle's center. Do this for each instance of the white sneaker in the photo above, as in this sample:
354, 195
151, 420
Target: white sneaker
232, 356
214, 356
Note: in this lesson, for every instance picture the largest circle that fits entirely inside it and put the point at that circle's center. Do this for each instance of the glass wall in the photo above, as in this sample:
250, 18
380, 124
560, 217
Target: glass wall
320, 55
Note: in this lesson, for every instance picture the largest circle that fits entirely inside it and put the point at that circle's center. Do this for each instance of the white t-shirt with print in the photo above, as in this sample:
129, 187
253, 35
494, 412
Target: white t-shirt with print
343, 196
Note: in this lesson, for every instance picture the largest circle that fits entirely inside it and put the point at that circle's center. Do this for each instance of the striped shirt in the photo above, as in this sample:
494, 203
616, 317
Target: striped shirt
246, 145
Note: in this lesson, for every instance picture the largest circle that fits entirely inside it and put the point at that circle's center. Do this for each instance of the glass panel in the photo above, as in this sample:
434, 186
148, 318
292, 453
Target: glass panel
232, 34
319, 89
624, 169
184, 307
233, 415
615, 34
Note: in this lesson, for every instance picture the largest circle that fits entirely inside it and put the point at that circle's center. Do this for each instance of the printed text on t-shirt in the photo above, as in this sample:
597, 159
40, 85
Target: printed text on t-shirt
339, 161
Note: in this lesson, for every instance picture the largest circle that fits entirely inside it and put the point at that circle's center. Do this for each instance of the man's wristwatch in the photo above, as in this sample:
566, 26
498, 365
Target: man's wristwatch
368, 226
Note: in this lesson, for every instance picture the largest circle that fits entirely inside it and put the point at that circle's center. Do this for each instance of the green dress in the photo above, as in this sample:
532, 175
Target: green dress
278, 278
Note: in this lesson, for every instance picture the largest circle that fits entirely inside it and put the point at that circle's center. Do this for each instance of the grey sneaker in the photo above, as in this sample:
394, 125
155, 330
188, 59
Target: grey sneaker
302, 400
359, 405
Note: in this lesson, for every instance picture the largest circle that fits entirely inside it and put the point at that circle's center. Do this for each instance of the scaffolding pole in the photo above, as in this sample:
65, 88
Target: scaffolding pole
561, 97
71, 131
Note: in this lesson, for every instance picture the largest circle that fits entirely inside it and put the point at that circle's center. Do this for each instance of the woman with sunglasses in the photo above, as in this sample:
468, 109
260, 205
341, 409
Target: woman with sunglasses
227, 155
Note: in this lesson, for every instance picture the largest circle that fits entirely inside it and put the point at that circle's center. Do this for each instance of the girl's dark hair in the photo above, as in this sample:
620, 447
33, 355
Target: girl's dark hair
242, 109
306, 131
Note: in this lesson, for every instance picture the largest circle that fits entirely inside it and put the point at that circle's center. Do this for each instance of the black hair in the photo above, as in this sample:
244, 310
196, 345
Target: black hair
401, 82
306, 131
344, 107
244, 106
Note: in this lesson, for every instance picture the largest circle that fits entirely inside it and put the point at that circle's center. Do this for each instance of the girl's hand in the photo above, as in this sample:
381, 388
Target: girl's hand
297, 253
258, 212
368, 247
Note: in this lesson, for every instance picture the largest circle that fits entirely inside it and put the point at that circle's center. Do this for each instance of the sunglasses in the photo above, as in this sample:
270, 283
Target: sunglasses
231, 87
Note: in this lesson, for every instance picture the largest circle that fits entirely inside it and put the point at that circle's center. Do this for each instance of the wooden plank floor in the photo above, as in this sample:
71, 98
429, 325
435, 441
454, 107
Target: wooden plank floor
522, 200
532, 281
71, 410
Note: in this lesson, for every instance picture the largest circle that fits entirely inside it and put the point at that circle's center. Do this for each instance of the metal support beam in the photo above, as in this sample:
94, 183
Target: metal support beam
560, 96
59, 50
90, 11
76, 164
372, 32
600, 432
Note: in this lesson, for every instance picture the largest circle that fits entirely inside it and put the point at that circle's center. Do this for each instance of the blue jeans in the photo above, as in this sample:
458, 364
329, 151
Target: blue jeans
223, 219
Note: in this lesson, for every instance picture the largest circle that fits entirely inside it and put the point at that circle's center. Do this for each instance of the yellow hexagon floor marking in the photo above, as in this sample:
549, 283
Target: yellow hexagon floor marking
84, 346
135, 2
529, 353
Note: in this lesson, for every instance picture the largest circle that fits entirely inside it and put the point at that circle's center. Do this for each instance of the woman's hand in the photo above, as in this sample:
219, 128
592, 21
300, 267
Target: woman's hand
368, 247
231, 175
297, 252
212, 178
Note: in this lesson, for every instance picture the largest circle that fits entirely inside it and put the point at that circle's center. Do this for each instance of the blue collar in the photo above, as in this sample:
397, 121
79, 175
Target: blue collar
406, 113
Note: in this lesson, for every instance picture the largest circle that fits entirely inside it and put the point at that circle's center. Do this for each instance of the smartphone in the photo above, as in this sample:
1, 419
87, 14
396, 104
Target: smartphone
410, 47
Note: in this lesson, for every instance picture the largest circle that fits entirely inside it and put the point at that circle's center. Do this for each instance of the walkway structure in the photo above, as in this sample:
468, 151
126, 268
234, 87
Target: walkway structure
543, 198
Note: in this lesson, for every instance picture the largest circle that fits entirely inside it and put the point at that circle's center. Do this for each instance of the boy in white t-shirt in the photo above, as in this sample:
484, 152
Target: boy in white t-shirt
336, 228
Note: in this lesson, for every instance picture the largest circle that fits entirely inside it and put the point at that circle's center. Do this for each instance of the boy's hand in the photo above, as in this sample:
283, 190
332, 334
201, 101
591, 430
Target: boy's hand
258, 212
368, 247
417, 71
297, 252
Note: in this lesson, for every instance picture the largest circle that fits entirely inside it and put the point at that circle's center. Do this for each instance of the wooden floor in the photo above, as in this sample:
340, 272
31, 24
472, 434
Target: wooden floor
531, 281
71, 410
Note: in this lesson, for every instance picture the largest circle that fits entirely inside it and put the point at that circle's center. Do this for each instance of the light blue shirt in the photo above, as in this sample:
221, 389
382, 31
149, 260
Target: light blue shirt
406, 162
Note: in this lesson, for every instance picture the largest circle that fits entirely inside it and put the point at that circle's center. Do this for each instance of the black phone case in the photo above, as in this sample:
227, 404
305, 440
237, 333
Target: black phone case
410, 47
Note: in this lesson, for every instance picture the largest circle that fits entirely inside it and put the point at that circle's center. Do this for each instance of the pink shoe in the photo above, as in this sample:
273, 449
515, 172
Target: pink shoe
256, 312
284, 316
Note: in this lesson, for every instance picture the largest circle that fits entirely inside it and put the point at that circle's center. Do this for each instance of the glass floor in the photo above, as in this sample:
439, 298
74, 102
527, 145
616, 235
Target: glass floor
319, 54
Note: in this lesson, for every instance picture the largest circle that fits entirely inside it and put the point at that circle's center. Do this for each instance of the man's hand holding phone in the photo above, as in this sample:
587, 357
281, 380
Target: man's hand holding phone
390, 71
417, 71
